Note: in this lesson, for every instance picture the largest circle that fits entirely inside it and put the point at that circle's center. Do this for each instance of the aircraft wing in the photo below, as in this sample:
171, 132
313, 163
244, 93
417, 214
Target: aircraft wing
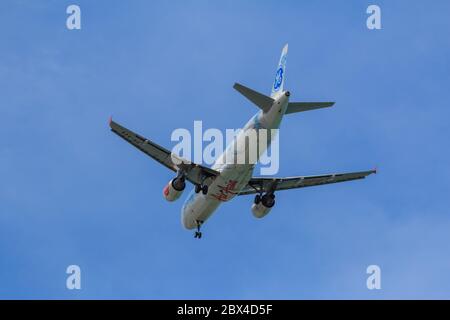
194, 173
257, 185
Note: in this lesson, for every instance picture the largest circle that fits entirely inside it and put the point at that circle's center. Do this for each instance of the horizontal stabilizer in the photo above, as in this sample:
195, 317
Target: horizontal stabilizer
306, 106
260, 100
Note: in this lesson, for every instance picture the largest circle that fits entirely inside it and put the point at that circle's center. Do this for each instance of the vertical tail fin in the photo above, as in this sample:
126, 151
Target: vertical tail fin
278, 84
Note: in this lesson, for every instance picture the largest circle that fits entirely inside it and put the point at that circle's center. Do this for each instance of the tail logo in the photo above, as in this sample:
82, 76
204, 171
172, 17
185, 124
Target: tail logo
278, 79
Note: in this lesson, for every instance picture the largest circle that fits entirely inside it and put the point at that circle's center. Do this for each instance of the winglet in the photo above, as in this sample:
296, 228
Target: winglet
110, 120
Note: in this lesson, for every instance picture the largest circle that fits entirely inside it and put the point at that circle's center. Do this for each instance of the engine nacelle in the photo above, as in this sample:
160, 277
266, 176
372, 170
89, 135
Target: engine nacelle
259, 210
262, 205
173, 190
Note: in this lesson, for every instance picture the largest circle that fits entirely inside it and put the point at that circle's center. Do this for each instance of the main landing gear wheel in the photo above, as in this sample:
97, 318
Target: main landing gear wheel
202, 188
257, 199
198, 234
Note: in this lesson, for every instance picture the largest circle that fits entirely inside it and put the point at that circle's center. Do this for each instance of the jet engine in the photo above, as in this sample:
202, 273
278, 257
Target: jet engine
173, 190
263, 205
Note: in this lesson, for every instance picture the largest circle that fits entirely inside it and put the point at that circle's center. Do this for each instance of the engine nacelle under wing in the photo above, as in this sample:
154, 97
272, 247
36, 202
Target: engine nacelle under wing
259, 210
173, 190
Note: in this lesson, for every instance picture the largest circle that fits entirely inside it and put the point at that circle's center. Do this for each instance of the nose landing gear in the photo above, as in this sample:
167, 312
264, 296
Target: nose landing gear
198, 234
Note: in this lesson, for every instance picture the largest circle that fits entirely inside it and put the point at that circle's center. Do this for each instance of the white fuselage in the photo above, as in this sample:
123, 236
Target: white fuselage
233, 177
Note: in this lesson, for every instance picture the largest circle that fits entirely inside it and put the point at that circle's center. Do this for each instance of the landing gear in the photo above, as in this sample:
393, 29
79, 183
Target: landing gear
202, 188
257, 199
198, 234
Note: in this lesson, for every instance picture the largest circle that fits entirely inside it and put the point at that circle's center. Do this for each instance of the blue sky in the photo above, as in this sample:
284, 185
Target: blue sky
74, 193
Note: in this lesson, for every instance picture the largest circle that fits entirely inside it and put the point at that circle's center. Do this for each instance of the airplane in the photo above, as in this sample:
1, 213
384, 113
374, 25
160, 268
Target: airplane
223, 181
